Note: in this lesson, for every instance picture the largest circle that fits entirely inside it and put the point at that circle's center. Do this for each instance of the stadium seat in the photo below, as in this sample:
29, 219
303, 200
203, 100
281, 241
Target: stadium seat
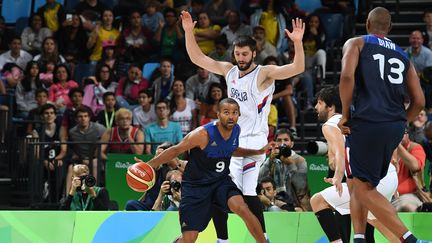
20, 24
83, 70
40, 3
309, 5
14, 9
149, 68
70, 4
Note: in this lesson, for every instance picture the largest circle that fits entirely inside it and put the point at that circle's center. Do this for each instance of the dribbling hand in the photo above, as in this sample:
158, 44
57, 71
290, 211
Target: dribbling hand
187, 21
298, 30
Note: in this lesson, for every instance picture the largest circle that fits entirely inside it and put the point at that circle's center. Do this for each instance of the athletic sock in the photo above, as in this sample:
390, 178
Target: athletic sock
220, 219
370, 231
359, 238
327, 221
222, 241
256, 207
408, 237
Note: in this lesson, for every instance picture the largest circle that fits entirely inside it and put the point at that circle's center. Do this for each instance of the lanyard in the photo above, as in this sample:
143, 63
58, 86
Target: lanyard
110, 122
85, 205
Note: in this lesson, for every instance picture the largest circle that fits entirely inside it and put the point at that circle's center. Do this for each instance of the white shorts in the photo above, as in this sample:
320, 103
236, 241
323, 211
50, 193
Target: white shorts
387, 187
244, 170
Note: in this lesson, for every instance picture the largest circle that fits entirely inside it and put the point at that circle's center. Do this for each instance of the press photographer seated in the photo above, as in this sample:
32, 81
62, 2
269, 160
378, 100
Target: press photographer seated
170, 192
83, 194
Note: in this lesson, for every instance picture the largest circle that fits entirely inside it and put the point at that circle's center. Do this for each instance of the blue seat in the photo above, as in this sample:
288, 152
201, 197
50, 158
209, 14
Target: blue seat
149, 68
20, 24
309, 5
40, 3
83, 70
14, 9
70, 4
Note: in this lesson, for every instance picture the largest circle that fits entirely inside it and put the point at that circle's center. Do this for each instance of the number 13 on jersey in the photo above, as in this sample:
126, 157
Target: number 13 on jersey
397, 67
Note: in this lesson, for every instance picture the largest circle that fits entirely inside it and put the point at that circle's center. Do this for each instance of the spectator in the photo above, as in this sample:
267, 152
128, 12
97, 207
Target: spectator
50, 132
235, 28
33, 35
270, 200
288, 172
161, 86
124, 132
46, 74
263, 48
49, 54
41, 96
183, 110
10, 76
221, 52
97, 86
87, 133
111, 57
170, 37
15, 54
208, 109
144, 114
152, 17
82, 197
136, 42
5, 35
25, 91
106, 116
197, 86
72, 40
416, 128
427, 146
170, 193
410, 158
128, 88
314, 45
148, 199
205, 33
59, 90
92, 11
53, 13
162, 130
218, 10
272, 122
103, 33
427, 30
284, 91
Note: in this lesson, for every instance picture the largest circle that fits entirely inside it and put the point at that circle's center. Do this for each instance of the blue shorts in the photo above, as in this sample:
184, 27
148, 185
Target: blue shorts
197, 200
370, 146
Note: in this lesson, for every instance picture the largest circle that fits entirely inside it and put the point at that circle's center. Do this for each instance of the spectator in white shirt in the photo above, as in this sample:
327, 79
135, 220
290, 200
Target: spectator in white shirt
15, 54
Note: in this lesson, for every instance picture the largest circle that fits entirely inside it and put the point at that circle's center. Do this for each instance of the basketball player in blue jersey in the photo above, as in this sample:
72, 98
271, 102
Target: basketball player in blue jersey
376, 73
252, 86
206, 181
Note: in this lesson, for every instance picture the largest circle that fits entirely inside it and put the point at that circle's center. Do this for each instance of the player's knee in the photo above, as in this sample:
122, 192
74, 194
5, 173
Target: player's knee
318, 203
239, 208
189, 237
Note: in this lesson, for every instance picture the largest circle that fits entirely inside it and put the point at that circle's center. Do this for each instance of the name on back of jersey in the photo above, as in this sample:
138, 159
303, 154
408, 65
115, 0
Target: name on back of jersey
238, 95
387, 44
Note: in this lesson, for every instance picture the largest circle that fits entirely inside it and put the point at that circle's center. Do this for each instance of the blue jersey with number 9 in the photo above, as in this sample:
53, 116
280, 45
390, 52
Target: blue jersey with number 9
380, 88
211, 164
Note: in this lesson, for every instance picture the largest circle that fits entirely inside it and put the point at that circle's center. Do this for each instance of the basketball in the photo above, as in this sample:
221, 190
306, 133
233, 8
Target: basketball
140, 177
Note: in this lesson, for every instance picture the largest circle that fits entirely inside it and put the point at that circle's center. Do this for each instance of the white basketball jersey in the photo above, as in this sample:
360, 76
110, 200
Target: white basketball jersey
333, 121
254, 105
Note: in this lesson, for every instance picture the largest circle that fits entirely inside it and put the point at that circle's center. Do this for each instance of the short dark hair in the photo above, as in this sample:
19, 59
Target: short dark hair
330, 96
83, 109
162, 101
270, 59
221, 40
106, 94
245, 40
148, 92
75, 90
46, 107
228, 101
268, 179
41, 90
283, 131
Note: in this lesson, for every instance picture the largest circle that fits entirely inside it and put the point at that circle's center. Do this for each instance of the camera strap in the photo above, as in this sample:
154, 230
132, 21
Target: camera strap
86, 204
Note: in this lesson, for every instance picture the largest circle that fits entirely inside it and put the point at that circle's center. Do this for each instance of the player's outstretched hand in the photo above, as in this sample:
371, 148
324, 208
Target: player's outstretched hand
298, 30
343, 126
337, 182
187, 21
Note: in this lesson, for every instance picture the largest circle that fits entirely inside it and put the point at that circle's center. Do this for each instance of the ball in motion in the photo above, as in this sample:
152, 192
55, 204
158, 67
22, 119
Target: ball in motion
140, 177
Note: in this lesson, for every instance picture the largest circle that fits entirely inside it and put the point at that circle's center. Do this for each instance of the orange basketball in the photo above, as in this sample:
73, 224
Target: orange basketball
140, 177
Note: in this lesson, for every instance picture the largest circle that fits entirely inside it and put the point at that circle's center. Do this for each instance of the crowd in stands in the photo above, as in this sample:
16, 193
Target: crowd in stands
85, 75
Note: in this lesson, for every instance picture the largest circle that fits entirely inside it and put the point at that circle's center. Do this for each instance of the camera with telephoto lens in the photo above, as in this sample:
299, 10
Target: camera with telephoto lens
175, 185
284, 150
89, 181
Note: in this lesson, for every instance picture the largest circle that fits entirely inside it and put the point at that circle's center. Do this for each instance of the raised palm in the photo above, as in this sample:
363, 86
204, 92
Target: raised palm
298, 30
187, 21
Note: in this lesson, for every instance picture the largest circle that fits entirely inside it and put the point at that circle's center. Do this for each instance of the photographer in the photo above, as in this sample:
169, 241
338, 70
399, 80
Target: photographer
288, 170
170, 193
269, 198
83, 194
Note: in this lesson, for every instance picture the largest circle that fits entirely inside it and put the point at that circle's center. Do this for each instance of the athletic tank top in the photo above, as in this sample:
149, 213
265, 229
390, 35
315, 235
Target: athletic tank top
254, 105
115, 137
380, 78
212, 163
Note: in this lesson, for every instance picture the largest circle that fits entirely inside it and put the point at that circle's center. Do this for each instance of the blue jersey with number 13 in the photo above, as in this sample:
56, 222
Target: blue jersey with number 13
380, 77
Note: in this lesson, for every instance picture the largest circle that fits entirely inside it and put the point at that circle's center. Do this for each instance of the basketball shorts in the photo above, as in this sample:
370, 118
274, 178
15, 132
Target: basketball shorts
387, 187
197, 200
369, 148
245, 170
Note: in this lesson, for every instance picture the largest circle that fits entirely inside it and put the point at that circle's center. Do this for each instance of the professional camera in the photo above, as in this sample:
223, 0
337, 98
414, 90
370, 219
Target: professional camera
284, 150
89, 180
317, 148
175, 185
